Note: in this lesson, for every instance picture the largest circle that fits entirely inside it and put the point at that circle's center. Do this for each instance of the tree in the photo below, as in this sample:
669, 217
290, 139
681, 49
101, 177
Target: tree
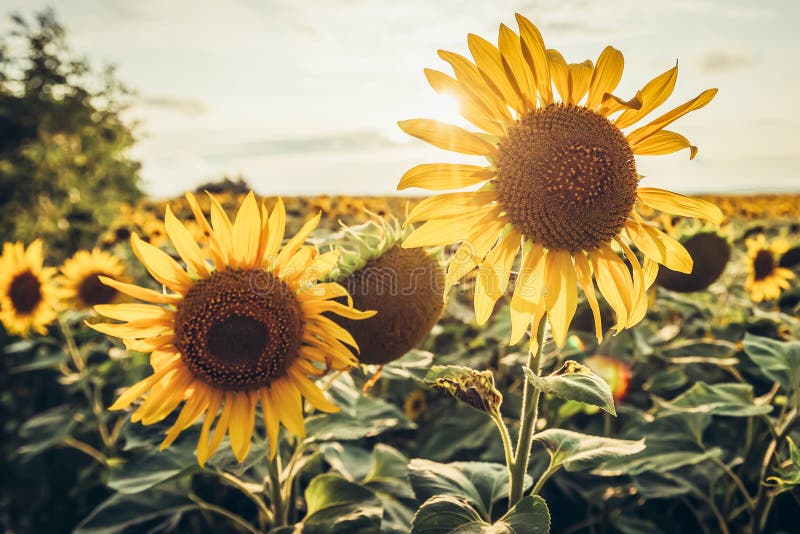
64, 163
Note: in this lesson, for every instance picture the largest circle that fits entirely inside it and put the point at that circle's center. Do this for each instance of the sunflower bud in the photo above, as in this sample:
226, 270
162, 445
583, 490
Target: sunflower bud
476, 388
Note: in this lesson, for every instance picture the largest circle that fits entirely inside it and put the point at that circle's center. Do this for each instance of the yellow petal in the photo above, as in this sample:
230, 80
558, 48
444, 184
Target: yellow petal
580, 75
150, 344
533, 50
294, 244
327, 290
184, 244
448, 205
584, 273
247, 234
652, 95
133, 312
161, 266
469, 76
468, 106
321, 266
222, 226
243, 416
134, 329
271, 421
473, 250
204, 451
698, 102
444, 176
606, 76
140, 293
516, 69
287, 400
494, 275
528, 299
611, 104
217, 254
614, 283
639, 295
676, 204
559, 73
444, 232
277, 227
311, 392
447, 136
490, 65
560, 293
317, 307
663, 142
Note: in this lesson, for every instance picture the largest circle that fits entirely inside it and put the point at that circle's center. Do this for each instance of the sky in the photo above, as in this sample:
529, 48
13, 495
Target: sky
303, 98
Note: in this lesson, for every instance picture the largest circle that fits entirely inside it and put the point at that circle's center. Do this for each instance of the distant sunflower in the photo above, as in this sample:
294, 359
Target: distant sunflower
80, 283
560, 184
247, 327
766, 278
27, 294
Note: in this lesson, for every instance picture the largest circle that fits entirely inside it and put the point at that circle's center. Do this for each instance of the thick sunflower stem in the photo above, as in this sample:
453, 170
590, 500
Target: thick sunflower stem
275, 491
530, 410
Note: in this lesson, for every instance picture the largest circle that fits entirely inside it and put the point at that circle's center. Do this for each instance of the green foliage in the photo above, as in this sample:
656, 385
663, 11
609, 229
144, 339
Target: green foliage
64, 164
579, 452
575, 382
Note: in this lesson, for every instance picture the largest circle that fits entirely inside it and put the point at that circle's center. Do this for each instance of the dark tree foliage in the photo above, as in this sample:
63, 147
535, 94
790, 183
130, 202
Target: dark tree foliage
64, 163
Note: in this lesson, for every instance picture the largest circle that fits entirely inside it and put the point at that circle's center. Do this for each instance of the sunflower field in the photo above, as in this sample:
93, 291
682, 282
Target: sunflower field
554, 348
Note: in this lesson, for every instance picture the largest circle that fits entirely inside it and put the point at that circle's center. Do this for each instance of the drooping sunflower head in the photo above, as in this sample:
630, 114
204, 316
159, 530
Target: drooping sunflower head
80, 281
28, 297
404, 286
559, 184
710, 252
766, 278
242, 322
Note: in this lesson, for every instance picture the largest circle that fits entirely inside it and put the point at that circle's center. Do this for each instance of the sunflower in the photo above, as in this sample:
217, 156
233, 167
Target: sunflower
404, 287
711, 252
766, 278
244, 328
560, 183
80, 283
27, 294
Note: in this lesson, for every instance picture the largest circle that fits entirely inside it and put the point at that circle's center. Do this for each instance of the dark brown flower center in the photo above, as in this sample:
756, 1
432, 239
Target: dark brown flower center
239, 329
405, 287
566, 177
92, 291
763, 264
25, 292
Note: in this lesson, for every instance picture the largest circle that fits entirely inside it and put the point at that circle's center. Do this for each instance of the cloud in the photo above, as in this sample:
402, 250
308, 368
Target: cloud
178, 104
724, 61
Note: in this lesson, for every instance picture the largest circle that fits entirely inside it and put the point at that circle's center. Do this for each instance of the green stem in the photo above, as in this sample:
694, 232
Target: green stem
86, 449
736, 480
275, 492
765, 497
550, 471
530, 409
708, 500
264, 513
91, 393
204, 505
505, 437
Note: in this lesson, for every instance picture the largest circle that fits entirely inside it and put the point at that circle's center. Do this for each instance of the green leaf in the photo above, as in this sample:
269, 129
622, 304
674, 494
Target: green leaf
461, 429
733, 400
579, 452
482, 484
787, 477
338, 506
529, 516
575, 382
388, 478
674, 440
368, 417
413, 366
444, 514
148, 468
778, 360
47, 430
121, 513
